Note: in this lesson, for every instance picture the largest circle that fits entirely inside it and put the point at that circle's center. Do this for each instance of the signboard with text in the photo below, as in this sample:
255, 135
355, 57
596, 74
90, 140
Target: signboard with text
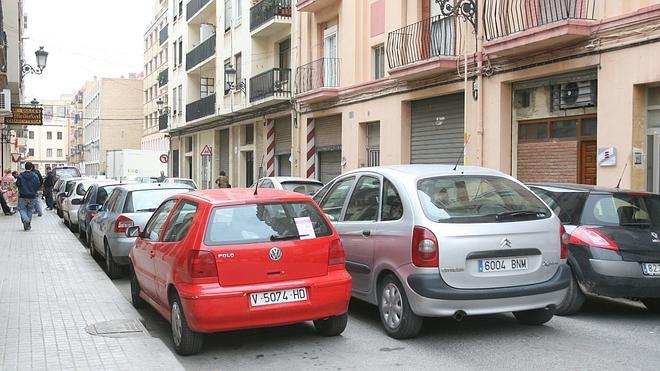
25, 116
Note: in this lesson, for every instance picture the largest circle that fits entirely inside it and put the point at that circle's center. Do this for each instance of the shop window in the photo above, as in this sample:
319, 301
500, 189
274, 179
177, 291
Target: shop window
531, 132
563, 129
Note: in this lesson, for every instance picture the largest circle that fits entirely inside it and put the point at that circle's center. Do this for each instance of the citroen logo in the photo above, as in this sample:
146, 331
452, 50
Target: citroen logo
275, 254
505, 243
655, 235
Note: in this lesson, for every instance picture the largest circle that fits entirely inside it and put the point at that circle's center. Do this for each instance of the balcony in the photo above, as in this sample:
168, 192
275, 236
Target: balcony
194, 6
314, 6
519, 27
318, 80
274, 83
163, 78
201, 108
162, 122
269, 17
425, 48
200, 53
162, 35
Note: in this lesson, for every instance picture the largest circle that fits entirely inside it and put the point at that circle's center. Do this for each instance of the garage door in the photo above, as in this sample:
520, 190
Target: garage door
283, 135
223, 151
437, 130
328, 145
329, 165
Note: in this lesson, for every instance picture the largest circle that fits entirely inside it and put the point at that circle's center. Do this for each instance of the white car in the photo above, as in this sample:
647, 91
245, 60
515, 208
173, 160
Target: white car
186, 181
74, 198
287, 183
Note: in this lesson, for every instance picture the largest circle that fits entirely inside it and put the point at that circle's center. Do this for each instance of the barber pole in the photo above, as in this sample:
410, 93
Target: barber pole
270, 148
311, 150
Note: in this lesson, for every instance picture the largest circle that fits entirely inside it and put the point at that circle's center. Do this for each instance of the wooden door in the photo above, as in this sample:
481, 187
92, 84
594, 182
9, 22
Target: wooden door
587, 162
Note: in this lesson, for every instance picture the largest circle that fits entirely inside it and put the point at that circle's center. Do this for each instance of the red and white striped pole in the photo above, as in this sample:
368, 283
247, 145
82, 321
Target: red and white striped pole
270, 148
311, 150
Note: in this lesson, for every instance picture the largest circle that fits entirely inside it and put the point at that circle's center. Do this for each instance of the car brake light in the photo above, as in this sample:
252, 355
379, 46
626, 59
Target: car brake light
592, 237
201, 264
563, 240
122, 224
424, 248
336, 253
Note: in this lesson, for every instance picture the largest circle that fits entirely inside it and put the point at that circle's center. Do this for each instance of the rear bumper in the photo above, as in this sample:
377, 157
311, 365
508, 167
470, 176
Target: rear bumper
429, 295
212, 308
617, 279
120, 247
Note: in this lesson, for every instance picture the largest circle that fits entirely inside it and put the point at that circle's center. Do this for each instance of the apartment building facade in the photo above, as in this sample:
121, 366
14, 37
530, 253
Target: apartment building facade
111, 119
76, 153
554, 91
48, 144
156, 78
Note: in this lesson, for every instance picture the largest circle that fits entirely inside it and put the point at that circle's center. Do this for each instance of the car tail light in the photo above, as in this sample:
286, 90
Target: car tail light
424, 248
592, 237
201, 264
563, 240
123, 223
336, 253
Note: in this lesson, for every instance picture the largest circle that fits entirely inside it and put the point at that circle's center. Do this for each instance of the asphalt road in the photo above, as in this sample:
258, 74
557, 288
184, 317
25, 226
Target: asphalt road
607, 334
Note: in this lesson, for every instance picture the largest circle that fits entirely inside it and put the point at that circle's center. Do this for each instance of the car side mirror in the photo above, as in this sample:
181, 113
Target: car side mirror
332, 218
94, 207
133, 232
76, 201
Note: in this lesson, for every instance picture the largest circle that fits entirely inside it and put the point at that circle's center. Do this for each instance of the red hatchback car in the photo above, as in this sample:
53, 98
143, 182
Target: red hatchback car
227, 259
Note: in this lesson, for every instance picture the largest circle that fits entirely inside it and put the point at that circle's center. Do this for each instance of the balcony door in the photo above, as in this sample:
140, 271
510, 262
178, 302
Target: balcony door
443, 31
330, 54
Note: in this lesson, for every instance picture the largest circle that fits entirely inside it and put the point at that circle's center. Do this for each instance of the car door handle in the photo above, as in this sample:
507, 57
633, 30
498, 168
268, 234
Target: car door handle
152, 253
366, 233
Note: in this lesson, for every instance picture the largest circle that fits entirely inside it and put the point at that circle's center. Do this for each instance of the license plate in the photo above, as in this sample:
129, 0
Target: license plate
277, 297
651, 269
502, 264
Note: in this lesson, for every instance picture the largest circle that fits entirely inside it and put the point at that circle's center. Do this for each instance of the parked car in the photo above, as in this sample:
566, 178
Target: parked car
72, 201
613, 244
66, 171
220, 260
57, 189
431, 241
298, 185
128, 205
94, 198
65, 188
185, 181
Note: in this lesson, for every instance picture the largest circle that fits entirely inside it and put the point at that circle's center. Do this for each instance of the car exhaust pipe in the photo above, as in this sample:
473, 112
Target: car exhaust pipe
459, 315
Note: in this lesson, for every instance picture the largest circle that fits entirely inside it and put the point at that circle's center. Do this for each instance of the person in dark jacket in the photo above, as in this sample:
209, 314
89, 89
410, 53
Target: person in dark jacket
28, 192
49, 183
38, 206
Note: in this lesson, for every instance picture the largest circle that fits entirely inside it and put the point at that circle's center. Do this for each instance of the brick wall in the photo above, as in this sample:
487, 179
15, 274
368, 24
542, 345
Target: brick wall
548, 162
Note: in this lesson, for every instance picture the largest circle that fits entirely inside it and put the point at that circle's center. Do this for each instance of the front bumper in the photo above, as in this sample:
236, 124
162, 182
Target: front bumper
212, 308
618, 279
429, 295
120, 247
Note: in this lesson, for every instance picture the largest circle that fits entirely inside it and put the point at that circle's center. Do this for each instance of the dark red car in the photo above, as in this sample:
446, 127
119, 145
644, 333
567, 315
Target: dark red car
227, 259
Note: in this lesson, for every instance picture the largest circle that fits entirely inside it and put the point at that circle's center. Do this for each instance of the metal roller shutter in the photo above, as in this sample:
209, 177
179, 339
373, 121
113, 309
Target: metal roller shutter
283, 135
437, 130
223, 153
328, 131
329, 165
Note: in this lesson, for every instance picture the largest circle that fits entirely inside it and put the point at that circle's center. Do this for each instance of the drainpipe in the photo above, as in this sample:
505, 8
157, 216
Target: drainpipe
480, 88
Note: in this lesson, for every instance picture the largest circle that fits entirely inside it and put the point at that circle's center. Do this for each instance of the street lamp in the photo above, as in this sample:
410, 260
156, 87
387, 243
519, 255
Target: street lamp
230, 78
34, 102
42, 58
162, 109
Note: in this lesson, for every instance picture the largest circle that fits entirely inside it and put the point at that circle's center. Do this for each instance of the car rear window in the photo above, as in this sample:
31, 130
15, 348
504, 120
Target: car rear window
567, 205
102, 193
622, 209
307, 188
148, 200
266, 222
69, 187
478, 199
67, 171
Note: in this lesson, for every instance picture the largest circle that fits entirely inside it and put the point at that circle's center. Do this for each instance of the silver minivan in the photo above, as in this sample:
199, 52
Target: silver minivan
434, 241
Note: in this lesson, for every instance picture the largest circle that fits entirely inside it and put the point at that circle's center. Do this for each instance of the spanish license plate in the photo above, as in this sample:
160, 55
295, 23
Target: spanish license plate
277, 297
502, 264
651, 269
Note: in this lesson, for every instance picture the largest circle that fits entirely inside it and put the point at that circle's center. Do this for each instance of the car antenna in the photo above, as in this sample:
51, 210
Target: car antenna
462, 152
261, 169
623, 172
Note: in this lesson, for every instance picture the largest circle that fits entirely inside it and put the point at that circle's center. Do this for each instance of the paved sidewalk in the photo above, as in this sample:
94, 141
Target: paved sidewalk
53, 295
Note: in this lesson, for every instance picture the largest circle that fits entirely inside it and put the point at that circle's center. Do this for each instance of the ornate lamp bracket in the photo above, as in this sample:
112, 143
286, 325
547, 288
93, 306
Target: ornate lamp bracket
464, 8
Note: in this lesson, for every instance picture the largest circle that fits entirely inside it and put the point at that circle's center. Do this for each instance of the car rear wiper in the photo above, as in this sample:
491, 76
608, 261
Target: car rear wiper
145, 210
519, 213
635, 224
287, 237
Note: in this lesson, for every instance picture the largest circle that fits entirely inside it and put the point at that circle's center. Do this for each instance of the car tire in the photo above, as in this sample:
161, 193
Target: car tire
653, 305
92, 250
73, 227
136, 300
88, 238
112, 269
186, 341
535, 317
397, 317
331, 326
65, 221
573, 300
82, 233
59, 213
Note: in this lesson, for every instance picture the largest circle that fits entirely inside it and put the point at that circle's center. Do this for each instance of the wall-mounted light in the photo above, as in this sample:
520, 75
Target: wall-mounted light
162, 109
230, 78
42, 58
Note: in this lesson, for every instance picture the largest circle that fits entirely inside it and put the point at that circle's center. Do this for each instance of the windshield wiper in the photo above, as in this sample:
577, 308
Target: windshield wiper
287, 237
145, 210
635, 224
520, 213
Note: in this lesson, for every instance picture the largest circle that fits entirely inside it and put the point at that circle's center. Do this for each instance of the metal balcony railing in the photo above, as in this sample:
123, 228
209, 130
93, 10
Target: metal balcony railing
200, 53
193, 7
163, 78
322, 73
162, 122
162, 35
265, 10
274, 82
431, 37
201, 108
505, 17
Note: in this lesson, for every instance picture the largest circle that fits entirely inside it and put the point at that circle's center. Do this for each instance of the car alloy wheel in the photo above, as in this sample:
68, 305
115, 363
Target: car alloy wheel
391, 305
176, 324
186, 341
399, 321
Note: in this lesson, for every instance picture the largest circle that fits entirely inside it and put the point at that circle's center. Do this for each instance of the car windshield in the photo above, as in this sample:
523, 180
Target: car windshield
147, 200
478, 199
307, 188
254, 223
67, 171
622, 209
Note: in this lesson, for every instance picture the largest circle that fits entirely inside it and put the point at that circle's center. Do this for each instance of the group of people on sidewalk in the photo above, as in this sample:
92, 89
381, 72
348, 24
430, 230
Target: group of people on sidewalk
23, 189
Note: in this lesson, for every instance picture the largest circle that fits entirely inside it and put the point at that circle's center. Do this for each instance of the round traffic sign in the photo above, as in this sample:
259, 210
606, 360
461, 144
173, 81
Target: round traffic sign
164, 158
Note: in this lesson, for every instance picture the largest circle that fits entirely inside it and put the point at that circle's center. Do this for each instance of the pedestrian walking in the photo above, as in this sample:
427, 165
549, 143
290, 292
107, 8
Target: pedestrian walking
49, 183
28, 190
37, 205
162, 177
223, 180
7, 193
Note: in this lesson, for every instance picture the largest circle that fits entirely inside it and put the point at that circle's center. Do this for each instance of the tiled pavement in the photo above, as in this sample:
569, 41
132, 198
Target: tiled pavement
51, 290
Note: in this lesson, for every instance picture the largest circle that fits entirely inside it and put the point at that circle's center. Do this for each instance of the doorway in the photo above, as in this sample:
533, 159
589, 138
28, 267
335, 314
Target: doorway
587, 162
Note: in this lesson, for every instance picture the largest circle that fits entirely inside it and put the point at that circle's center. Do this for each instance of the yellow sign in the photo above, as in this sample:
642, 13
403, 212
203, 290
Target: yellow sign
25, 116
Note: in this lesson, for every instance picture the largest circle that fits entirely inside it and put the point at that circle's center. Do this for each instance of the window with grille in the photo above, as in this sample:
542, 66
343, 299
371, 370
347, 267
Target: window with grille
379, 62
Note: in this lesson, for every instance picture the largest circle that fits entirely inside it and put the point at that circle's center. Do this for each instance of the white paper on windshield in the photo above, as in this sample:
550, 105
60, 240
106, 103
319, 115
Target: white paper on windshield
305, 228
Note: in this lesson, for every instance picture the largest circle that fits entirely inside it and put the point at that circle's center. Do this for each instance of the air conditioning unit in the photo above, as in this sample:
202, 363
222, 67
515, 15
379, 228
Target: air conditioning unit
5, 100
577, 94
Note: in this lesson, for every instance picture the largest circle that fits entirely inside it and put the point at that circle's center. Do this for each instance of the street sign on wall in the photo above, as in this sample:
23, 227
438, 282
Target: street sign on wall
25, 116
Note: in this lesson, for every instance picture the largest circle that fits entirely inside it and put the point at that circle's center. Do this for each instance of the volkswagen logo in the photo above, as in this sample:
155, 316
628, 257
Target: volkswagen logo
275, 254
505, 243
